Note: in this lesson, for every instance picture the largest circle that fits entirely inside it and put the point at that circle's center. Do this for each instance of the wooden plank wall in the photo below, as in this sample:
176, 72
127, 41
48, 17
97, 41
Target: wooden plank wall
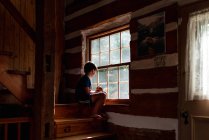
153, 79
14, 39
154, 90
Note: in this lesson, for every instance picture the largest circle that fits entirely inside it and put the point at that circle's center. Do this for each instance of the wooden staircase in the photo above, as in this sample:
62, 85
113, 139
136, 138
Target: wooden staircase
15, 81
72, 122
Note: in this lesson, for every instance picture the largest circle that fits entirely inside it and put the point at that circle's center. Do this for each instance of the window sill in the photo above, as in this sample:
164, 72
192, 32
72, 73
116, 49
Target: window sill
117, 102
117, 106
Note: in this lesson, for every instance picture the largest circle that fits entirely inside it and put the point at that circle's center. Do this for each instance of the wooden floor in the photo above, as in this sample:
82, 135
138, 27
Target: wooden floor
89, 136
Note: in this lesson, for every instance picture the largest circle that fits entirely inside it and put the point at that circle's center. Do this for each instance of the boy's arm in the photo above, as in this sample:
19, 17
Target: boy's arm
88, 90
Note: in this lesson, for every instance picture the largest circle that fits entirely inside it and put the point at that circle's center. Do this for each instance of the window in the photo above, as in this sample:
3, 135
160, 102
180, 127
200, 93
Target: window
197, 56
111, 54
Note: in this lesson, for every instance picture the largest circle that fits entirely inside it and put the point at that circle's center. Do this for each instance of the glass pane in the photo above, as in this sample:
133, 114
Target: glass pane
115, 57
94, 79
125, 38
125, 55
104, 86
113, 91
124, 91
115, 41
102, 75
95, 46
93, 87
113, 74
124, 73
104, 59
95, 59
104, 44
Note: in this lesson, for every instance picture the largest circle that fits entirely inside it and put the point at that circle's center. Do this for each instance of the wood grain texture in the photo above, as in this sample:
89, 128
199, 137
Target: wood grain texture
72, 61
16, 84
59, 47
18, 17
165, 77
15, 40
74, 42
111, 10
156, 105
72, 80
171, 41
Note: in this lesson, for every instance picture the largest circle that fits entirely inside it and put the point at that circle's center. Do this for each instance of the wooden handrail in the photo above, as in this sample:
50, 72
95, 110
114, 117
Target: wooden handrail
15, 120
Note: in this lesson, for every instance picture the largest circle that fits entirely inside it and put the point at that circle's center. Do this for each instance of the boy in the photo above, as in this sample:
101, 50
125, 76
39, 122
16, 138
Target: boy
84, 92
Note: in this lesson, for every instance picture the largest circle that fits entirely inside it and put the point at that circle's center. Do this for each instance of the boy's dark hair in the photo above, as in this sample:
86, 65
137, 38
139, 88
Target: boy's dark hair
89, 66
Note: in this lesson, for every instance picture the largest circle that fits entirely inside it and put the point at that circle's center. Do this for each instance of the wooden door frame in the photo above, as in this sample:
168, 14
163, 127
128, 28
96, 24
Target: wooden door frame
182, 33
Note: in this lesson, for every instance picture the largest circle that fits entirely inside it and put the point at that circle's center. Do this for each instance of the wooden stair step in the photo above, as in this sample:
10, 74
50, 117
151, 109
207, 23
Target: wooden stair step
75, 126
72, 110
19, 72
91, 136
6, 97
11, 54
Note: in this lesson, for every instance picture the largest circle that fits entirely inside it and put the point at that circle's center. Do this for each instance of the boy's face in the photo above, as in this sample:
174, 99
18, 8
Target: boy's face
92, 73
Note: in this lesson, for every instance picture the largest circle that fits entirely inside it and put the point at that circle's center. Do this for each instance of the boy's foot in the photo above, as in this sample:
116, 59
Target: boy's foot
104, 115
97, 116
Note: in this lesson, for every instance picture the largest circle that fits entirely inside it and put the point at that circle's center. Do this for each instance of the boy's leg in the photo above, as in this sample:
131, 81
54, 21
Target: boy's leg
98, 101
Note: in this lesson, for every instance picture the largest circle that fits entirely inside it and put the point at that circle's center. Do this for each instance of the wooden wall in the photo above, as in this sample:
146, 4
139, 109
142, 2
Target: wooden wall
14, 39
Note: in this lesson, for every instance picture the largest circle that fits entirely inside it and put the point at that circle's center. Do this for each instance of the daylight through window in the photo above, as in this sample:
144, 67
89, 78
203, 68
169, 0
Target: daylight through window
197, 56
111, 54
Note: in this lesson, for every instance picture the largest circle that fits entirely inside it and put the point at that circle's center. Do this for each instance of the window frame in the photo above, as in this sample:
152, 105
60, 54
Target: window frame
100, 35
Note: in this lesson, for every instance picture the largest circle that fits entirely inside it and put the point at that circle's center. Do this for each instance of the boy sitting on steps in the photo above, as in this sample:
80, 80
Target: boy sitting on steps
84, 92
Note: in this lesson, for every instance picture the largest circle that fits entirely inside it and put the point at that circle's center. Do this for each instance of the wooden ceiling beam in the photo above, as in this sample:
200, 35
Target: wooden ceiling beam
19, 19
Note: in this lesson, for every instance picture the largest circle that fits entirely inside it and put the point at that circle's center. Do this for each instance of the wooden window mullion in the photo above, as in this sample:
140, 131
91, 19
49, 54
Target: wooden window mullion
118, 82
107, 78
99, 52
109, 50
120, 49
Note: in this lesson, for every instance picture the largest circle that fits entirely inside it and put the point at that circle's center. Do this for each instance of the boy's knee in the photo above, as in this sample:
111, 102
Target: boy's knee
103, 96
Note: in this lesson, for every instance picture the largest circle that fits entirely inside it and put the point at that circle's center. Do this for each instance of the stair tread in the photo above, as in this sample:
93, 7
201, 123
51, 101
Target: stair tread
7, 53
20, 72
92, 135
74, 120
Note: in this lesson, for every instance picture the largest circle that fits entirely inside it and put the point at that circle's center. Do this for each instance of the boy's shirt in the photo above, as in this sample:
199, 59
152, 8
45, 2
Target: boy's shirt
81, 95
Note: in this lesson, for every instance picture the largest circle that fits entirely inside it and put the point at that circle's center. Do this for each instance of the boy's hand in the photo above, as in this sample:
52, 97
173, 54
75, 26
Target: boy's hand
99, 89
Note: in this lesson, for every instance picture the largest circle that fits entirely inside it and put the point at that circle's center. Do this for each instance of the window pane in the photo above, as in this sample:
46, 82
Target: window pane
104, 44
95, 59
115, 41
95, 46
125, 38
113, 74
102, 75
94, 79
94, 86
125, 55
124, 73
113, 91
104, 59
115, 57
124, 91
